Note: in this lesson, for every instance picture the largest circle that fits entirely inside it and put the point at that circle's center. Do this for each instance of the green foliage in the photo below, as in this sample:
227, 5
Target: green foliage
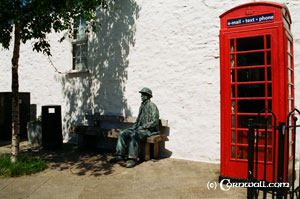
38, 120
25, 165
37, 18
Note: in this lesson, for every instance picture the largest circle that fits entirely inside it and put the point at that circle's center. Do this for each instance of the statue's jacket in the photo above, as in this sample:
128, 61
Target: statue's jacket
148, 118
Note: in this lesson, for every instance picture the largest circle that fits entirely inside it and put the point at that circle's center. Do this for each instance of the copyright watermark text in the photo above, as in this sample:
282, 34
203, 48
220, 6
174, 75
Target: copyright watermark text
225, 185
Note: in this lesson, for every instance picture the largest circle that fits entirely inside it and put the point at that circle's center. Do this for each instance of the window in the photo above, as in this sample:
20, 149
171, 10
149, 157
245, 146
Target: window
80, 46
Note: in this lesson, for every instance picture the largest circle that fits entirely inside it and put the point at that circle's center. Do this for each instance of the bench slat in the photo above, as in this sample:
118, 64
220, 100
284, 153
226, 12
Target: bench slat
127, 119
111, 133
96, 131
157, 138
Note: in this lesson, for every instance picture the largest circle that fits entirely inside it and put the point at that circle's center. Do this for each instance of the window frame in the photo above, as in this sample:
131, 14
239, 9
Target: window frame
80, 43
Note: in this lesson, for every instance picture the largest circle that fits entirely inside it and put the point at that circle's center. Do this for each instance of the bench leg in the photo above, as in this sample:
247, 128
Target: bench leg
155, 150
147, 151
142, 152
81, 142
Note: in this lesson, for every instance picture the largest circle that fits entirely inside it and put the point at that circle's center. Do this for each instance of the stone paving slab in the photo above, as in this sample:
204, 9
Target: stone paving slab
88, 175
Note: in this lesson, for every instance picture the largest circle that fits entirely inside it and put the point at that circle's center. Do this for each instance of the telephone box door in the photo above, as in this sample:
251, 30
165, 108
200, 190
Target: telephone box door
248, 90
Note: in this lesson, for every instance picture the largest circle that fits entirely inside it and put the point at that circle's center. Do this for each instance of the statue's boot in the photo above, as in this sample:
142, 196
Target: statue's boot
116, 159
131, 163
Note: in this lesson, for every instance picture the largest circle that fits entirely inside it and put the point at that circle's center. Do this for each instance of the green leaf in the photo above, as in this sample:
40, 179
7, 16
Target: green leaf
40, 17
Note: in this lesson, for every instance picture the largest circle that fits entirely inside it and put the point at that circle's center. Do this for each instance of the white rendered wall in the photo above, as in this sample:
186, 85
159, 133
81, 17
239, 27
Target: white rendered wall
170, 46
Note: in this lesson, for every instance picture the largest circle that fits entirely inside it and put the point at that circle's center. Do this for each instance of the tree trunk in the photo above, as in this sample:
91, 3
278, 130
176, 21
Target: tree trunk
15, 97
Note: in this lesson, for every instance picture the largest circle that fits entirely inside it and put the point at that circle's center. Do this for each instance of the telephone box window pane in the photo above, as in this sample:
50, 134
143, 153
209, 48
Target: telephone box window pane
243, 120
231, 45
232, 151
270, 90
270, 104
289, 76
233, 91
232, 60
232, 106
268, 42
288, 46
242, 152
233, 121
232, 75
242, 137
251, 106
233, 137
269, 74
268, 58
250, 59
252, 74
250, 43
290, 105
268, 122
251, 90
289, 61
261, 139
290, 91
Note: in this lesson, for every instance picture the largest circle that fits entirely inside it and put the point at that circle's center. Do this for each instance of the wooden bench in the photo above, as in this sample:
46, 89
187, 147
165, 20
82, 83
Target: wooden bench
111, 126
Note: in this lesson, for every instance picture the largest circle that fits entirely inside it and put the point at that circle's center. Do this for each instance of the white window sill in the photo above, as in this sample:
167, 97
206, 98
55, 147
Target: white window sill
79, 41
74, 72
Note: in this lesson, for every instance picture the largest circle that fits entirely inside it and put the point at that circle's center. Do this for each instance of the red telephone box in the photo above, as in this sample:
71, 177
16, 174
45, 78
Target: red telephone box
257, 72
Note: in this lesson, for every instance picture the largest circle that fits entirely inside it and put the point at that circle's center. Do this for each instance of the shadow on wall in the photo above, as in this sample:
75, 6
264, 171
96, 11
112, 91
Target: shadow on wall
102, 89
109, 54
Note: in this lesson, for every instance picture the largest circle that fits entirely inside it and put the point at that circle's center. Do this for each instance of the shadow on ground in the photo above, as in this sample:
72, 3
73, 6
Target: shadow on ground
89, 162
79, 162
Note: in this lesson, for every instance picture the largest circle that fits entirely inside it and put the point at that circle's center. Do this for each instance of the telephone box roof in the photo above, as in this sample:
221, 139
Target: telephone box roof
283, 7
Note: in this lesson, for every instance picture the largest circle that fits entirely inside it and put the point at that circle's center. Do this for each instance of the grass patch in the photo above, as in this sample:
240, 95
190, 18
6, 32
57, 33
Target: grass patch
25, 165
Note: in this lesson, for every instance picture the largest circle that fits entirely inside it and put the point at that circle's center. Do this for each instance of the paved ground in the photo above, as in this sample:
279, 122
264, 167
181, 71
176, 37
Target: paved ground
86, 174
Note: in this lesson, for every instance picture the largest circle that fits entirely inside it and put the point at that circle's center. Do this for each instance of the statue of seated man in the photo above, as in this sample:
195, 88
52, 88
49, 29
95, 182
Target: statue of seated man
146, 124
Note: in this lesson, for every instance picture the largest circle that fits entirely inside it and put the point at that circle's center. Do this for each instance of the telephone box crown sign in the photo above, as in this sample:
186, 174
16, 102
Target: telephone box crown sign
250, 13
